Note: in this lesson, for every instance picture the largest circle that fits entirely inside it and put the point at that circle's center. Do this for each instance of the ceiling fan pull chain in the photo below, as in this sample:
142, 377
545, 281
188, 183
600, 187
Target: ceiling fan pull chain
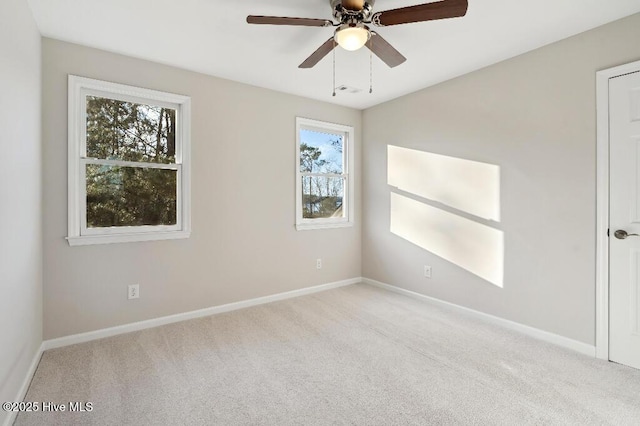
371, 69
334, 67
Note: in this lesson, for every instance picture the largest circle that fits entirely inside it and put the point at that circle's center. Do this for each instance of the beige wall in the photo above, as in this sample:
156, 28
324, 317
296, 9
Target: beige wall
534, 117
243, 245
20, 197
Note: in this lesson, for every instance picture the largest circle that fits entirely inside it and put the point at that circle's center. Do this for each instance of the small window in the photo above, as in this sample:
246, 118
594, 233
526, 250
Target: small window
324, 184
128, 163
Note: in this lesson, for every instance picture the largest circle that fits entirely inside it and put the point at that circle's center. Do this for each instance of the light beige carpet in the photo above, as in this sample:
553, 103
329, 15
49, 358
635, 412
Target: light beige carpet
356, 355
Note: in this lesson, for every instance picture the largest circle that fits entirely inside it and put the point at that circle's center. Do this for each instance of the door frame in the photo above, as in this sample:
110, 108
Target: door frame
602, 202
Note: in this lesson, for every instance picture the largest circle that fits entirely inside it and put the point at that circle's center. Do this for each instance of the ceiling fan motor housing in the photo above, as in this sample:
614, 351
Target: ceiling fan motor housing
350, 13
350, 4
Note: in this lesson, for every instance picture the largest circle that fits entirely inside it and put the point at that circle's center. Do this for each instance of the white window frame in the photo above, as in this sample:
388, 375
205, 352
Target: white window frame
78, 232
347, 173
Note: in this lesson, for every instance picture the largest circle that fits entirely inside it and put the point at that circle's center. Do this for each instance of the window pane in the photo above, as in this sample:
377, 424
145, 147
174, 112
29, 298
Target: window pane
130, 196
119, 130
322, 197
320, 152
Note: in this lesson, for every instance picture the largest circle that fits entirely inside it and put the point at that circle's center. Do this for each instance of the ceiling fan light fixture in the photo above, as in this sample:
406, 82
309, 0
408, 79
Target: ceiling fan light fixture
352, 36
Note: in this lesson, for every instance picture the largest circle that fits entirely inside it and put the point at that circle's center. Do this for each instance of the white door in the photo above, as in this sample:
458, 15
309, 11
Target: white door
624, 216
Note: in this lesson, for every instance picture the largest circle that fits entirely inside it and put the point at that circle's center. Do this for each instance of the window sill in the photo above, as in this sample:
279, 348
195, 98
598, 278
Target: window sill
325, 225
86, 240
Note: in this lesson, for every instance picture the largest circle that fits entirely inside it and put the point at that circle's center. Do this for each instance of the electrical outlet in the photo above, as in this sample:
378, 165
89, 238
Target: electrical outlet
318, 263
427, 271
134, 291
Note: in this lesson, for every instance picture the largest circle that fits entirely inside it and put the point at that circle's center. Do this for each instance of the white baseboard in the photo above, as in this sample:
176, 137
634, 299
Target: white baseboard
25, 385
141, 325
545, 336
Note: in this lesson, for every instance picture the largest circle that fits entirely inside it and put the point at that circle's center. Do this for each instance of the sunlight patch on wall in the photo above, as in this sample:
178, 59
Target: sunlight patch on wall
473, 246
469, 186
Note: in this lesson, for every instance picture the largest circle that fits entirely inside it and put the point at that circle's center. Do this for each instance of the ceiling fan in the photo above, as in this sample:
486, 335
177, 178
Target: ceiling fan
352, 32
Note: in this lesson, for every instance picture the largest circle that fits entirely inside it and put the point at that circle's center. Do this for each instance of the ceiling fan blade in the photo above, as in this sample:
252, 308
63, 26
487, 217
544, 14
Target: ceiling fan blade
353, 4
422, 12
322, 51
384, 50
277, 20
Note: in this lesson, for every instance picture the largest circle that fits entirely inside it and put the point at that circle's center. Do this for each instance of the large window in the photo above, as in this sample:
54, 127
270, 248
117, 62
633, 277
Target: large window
324, 184
128, 163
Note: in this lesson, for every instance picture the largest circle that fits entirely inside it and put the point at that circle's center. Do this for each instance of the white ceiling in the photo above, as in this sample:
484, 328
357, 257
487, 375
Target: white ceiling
212, 37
